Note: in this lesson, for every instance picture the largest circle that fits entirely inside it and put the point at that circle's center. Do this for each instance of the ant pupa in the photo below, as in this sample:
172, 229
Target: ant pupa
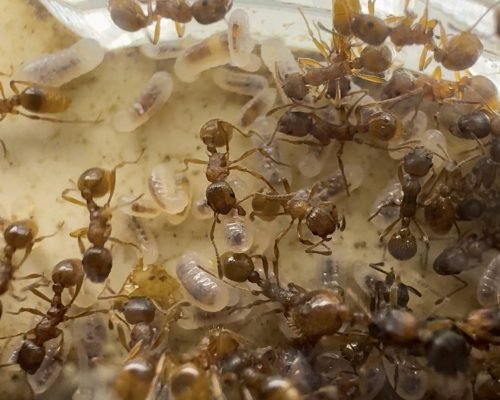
240, 41
201, 288
152, 97
168, 49
56, 69
258, 106
237, 233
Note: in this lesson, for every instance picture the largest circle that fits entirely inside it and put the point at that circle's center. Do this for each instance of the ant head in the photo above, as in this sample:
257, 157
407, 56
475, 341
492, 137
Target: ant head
207, 12
216, 133
94, 182
68, 273
127, 15
237, 266
418, 161
20, 234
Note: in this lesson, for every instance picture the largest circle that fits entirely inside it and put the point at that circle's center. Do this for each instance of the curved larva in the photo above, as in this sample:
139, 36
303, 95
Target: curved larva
145, 239
239, 82
201, 289
171, 190
168, 49
56, 69
240, 42
488, 288
154, 95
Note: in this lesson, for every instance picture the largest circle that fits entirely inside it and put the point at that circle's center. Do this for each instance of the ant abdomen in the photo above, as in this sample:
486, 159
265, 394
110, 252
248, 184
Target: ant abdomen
30, 356
97, 263
95, 182
209, 11
139, 309
237, 267
221, 197
370, 29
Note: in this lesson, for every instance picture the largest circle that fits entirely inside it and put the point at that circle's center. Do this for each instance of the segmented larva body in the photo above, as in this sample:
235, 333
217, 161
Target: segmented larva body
239, 82
201, 289
171, 190
145, 239
168, 49
56, 69
258, 106
488, 288
153, 96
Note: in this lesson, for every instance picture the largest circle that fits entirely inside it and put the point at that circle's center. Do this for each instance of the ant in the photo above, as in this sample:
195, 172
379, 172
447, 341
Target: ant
402, 245
322, 220
220, 196
94, 183
391, 290
67, 274
19, 235
312, 314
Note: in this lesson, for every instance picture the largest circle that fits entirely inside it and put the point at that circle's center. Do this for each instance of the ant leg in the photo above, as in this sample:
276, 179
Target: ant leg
425, 239
300, 234
311, 250
39, 294
453, 292
217, 255
70, 199
265, 264
79, 234
390, 203
49, 119
264, 153
340, 152
112, 176
122, 338
308, 142
119, 241
188, 161
254, 174
277, 250
86, 314
33, 311
156, 37
246, 307
388, 229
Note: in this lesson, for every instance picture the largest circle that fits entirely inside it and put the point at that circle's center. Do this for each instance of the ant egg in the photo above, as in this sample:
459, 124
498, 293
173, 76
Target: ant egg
258, 106
154, 95
239, 82
168, 49
209, 53
312, 162
50, 369
488, 287
201, 289
56, 69
145, 239
144, 207
239, 40
237, 233
171, 190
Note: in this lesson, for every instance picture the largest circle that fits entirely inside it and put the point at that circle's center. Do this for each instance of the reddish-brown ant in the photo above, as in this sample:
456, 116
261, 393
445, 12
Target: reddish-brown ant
92, 184
322, 220
19, 235
67, 274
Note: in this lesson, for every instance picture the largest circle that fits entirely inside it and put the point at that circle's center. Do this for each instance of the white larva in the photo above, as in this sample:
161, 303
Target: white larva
239, 82
201, 289
171, 190
488, 288
56, 69
152, 97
